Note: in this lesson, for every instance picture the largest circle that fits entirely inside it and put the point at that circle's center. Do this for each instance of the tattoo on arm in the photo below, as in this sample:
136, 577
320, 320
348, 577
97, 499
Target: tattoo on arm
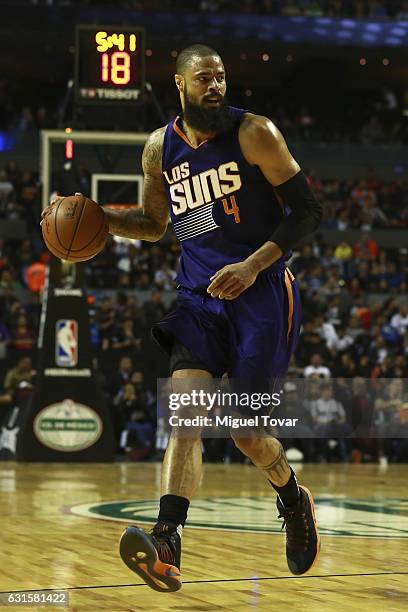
150, 221
278, 472
152, 152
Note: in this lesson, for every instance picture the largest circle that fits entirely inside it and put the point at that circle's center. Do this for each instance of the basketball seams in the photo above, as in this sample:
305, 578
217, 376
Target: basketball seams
77, 225
55, 250
55, 225
61, 255
92, 239
57, 229
49, 244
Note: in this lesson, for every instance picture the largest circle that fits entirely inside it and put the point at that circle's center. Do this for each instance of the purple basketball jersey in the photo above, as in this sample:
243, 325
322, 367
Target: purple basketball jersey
221, 207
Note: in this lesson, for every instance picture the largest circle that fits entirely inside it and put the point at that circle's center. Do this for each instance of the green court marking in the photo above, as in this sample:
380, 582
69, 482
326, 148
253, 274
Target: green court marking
342, 517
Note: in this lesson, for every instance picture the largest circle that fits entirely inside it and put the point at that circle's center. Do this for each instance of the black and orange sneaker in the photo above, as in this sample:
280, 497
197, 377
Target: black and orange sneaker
302, 536
154, 556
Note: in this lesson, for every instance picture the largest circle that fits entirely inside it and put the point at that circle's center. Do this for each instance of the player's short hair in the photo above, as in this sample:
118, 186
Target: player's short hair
185, 56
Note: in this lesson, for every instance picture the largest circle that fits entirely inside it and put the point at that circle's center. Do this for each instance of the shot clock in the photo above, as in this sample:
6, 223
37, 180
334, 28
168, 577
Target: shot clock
109, 64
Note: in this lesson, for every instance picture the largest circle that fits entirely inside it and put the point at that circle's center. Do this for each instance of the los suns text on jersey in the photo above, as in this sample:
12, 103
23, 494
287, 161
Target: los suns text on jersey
189, 192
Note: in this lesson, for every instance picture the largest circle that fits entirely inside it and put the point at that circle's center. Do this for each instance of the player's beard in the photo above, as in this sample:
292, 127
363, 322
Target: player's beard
208, 120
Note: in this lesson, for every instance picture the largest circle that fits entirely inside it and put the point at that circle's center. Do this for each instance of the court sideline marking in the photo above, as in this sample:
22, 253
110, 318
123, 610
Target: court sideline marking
110, 586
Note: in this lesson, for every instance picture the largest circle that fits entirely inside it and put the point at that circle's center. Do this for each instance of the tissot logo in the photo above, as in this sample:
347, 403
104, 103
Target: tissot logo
370, 518
189, 192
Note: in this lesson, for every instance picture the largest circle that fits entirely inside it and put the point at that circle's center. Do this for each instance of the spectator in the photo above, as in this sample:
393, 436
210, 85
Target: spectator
164, 277
304, 260
292, 408
7, 281
154, 309
378, 350
124, 341
345, 366
329, 419
364, 367
6, 399
35, 276
355, 287
13, 173
343, 251
5, 338
400, 367
6, 189
372, 215
26, 120
362, 409
341, 341
392, 420
122, 376
316, 368
124, 281
400, 319
326, 330
138, 427
392, 276
143, 282
23, 339
310, 342
22, 372
343, 221
384, 369
366, 248
106, 318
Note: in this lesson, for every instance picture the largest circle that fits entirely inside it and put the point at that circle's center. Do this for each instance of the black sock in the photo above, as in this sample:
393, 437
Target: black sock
289, 493
173, 509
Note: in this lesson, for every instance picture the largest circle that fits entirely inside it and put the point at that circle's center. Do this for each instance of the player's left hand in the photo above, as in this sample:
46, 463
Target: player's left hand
46, 211
229, 282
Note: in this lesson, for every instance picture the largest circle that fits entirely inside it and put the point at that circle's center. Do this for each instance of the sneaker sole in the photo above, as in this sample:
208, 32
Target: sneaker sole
139, 554
318, 543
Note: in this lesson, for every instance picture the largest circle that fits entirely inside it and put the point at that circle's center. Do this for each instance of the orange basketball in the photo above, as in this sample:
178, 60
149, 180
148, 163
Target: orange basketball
76, 229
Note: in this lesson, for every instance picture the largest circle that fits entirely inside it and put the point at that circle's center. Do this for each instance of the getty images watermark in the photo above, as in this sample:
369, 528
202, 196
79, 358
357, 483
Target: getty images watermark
219, 403
325, 408
214, 409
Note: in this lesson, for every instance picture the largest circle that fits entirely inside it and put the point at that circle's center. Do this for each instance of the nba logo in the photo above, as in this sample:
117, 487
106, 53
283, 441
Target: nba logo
66, 343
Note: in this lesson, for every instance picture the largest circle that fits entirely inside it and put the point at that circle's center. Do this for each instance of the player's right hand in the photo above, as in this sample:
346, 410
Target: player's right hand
52, 205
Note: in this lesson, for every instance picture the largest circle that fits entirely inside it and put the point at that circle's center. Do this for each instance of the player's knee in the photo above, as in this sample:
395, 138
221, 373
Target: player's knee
248, 446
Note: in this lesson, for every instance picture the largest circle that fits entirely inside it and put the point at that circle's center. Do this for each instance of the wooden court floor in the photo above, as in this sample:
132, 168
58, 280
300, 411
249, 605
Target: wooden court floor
60, 526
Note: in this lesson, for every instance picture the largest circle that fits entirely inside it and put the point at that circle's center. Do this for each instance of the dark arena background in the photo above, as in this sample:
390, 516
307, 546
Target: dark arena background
82, 84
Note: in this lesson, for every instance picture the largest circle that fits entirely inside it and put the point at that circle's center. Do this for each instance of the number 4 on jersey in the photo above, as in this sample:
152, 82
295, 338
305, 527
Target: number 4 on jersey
231, 208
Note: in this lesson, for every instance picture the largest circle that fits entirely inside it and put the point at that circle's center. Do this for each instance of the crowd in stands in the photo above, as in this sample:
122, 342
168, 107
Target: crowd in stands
366, 203
337, 114
304, 98
340, 116
355, 325
363, 203
360, 9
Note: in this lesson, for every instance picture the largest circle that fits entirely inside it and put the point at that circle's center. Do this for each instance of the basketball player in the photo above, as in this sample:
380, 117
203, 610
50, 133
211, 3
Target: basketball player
227, 180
